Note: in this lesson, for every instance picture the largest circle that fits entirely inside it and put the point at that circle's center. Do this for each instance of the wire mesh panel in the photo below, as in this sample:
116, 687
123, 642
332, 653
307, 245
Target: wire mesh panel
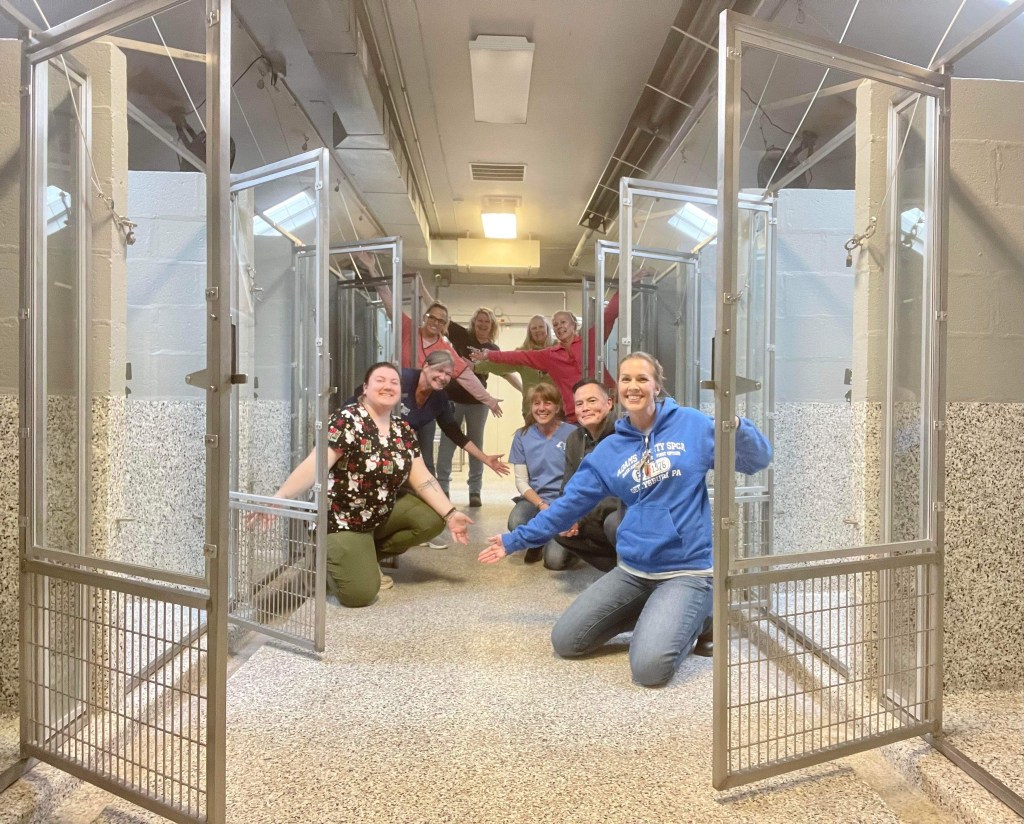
115, 684
827, 660
273, 568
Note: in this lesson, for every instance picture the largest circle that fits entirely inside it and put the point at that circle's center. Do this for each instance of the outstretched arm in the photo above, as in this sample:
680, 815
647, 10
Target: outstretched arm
471, 383
426, 487
493, 461
304, 475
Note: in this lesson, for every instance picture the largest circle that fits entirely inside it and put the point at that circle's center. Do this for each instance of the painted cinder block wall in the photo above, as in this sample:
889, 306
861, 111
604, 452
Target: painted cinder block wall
984, 607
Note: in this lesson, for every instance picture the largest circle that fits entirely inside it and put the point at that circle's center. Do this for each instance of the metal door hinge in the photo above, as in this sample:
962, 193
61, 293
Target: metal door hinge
210, 550
734, 53
213, 18
24, 432
773, 221
731, 297
938, 506
728, 426
728, 523
196, 379
212, 441
319, 185
938, 426
23, 314
25, 91
940, 316
316, 489
212, 293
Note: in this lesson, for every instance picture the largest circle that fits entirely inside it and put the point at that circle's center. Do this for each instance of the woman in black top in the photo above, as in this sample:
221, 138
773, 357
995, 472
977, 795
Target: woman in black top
481, 333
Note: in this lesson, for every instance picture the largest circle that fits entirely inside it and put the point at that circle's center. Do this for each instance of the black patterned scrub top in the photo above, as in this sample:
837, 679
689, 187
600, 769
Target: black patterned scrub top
363, 483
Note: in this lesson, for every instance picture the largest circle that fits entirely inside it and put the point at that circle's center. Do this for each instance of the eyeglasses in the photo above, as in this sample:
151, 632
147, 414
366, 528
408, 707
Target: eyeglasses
436, 319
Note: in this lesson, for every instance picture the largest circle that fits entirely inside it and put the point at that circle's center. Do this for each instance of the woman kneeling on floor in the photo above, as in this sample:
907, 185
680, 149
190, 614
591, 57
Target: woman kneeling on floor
537, 456
372, 454
655, 462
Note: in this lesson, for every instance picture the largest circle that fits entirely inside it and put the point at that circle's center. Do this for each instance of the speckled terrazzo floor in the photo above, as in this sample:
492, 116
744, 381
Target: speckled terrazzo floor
988, 727
444, 703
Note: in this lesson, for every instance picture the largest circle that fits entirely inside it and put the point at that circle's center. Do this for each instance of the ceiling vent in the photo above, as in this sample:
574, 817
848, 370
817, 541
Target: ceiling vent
503, 172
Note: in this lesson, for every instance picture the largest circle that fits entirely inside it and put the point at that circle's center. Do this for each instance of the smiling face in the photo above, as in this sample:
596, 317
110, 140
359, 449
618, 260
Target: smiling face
592, 406
434, 323
564, 325
482, 326
638, 386
438, 377
383, 388
544, 411
538, 330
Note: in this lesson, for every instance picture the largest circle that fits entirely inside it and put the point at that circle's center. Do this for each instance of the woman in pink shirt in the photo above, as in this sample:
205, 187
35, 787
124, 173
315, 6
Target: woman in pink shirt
564, 361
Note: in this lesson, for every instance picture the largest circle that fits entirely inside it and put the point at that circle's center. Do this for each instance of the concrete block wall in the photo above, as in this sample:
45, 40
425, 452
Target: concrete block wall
814, 296
984, 609
166, 307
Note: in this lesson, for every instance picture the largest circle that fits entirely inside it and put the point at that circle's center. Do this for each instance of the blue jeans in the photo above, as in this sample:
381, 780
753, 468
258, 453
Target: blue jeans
474, 416
425, 435
666, 617
556, 556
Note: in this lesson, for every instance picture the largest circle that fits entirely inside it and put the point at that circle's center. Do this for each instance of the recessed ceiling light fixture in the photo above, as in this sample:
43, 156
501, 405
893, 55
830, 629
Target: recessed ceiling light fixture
499, 217
500, 67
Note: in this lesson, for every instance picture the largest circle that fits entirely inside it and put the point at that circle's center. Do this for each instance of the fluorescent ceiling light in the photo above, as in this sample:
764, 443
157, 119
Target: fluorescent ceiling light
499, 224
693, 222
501, 69
58, 209
296, 211
499, 216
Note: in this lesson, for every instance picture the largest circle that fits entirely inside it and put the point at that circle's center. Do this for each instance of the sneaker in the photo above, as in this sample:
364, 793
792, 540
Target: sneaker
474, 499
386, 581
437, 543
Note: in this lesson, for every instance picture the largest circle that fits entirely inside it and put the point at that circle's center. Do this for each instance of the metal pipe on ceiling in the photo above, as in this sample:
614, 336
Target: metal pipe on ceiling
692, 66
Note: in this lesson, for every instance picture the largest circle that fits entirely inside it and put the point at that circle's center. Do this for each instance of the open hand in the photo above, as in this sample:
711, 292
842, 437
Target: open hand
458, 526
494, 552
495, 463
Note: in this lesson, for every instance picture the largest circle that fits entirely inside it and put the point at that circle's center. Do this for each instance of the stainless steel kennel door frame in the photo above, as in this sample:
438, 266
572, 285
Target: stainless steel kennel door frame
278, 562
779, 705
149, 725
685, 378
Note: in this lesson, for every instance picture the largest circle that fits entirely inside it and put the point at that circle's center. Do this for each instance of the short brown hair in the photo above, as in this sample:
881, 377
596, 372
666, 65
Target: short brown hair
546, 391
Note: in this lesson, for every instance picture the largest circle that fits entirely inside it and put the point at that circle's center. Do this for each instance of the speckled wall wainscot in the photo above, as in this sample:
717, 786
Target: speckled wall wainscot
984, 608
157, 461
814, 472
9, 669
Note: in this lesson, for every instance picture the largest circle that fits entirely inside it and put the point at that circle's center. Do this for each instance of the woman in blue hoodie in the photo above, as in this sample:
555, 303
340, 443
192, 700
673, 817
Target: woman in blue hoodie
656, 463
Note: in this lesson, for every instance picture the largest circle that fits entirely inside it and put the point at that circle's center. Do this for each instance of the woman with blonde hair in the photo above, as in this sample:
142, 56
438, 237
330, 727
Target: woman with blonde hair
539, 335
656, 462
537, 456
470, 414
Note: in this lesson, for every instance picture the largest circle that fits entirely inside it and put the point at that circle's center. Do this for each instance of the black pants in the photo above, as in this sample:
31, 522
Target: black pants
595, 542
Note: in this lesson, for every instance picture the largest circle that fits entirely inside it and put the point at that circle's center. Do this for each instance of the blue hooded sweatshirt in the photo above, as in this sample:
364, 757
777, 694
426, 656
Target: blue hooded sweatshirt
661, 479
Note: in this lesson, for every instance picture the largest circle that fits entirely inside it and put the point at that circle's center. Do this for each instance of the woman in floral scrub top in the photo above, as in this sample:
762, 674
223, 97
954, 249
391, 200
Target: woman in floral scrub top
371, 455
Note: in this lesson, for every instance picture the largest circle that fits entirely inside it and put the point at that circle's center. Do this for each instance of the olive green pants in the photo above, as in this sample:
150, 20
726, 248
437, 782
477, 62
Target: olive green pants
352, 556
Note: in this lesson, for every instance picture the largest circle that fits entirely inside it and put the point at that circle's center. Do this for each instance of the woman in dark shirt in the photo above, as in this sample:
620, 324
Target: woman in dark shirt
469, 412
372, 454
